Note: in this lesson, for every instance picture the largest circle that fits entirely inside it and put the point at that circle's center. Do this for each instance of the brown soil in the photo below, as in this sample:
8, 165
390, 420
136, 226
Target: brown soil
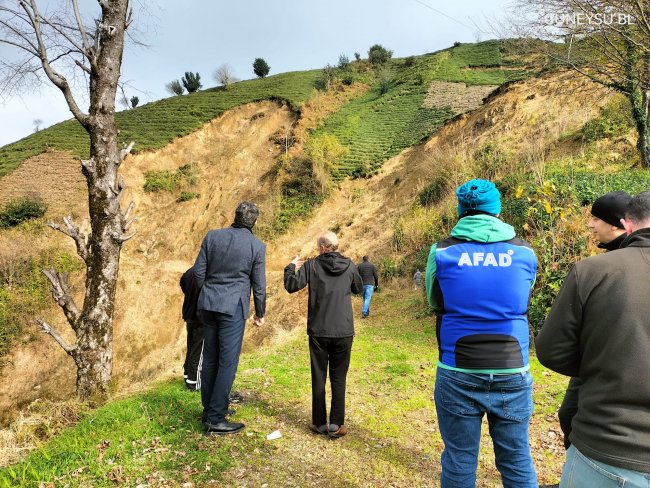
235, 155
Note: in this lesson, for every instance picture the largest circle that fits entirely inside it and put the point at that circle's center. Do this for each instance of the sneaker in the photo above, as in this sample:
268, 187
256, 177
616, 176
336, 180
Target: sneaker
319, 430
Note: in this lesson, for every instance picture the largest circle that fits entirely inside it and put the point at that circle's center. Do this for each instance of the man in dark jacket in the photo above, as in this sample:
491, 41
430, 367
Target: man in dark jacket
331, 278
605, 225
370, 279
479, 282
231, 262
194, 351
598, 329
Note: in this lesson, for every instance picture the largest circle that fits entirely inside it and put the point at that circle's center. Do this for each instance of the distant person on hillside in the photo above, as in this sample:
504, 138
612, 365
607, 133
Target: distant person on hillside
331, 279
598, 329
194, 351
605, 224
370, 279
479, 281
230, 263
417, 279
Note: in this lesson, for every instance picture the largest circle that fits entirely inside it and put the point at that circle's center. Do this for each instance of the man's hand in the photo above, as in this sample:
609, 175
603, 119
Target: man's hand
298, 262
259, 321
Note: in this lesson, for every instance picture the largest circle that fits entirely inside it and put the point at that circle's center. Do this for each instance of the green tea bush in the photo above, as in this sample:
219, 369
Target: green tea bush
615, 120
434, 192
18, 211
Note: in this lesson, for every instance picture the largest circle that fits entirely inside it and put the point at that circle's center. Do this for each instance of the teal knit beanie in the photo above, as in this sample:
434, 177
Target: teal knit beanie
478, 195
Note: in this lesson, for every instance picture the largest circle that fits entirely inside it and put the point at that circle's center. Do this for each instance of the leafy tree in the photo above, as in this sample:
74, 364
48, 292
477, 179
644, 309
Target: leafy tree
134, 101
328, 74
57, 44
357, 56
37, 124
607, 42
174, 87
224, 75
344, 62
261, 68
325, 152
378, 54
191, 81
385, 79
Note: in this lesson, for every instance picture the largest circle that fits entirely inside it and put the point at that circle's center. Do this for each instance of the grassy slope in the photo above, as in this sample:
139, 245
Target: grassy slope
393, 440
375, 127
154, 125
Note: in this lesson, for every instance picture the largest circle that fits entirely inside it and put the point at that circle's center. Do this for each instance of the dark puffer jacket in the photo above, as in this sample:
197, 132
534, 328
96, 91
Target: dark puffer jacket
332, 278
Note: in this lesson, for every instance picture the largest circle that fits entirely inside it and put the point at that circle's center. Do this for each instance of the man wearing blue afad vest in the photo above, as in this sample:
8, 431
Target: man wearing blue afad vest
479, 282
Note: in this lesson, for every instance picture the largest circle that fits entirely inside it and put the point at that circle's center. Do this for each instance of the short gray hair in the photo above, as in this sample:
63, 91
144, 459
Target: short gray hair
246, 215
328, 240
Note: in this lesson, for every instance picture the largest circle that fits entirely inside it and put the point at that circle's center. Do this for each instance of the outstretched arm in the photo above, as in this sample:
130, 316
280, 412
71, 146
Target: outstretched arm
295, 281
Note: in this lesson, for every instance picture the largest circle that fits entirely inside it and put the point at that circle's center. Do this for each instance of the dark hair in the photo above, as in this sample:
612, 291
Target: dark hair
638, 210
365, 258
246, 215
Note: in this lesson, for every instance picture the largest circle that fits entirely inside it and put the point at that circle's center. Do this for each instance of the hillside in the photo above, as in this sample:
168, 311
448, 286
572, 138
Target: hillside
530, 133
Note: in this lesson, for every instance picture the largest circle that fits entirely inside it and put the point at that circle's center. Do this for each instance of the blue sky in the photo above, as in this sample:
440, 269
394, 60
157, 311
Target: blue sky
195, 35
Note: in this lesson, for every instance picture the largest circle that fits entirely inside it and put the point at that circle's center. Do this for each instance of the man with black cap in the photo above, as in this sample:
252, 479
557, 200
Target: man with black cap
598, 328
230, 263
479, 281
605, 225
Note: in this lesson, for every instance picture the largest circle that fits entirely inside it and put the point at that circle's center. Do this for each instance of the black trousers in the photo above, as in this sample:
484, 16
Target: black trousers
569, 408
193, 355
335, 352
223, 336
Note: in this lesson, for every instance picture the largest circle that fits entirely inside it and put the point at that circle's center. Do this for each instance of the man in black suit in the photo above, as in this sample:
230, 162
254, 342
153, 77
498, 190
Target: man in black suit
231, 262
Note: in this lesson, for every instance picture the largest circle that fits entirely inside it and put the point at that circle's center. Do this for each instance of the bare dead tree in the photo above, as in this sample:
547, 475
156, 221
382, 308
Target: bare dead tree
225, 76
605, 41
61, 46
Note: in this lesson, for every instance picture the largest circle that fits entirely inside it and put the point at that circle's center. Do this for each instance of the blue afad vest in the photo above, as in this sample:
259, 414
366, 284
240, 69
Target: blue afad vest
482, 292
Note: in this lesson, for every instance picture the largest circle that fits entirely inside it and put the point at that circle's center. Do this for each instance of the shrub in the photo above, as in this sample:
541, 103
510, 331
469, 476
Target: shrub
385, 80
187, 195
174, 87
191, 81
165, 180
434, 192
615, 120
261, 68
328, 74
344, 62
379, 55
325, 152
17, 211
410, 61
134, 101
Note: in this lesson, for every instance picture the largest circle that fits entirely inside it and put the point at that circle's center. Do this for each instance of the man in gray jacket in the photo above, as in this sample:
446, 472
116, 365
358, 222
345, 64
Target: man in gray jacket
598, 329
231, 262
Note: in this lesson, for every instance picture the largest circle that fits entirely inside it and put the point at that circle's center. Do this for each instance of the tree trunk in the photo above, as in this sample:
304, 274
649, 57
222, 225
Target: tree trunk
94, 345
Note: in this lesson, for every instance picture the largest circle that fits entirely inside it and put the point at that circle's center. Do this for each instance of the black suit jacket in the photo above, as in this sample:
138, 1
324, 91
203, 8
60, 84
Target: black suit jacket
230, 263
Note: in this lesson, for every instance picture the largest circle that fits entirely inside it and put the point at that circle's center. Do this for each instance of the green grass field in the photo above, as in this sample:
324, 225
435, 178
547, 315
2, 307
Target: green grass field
154, 438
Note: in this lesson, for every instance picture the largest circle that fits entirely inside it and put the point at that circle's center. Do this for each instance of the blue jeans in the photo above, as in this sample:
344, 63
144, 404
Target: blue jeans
222, 340
367, 295
581, 471
461, 401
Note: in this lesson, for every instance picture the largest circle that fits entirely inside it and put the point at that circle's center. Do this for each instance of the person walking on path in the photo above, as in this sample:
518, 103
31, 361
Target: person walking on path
230, 263
194, 351
479, 282
605, 224
370, 279
417, 279
598, 329
331, 278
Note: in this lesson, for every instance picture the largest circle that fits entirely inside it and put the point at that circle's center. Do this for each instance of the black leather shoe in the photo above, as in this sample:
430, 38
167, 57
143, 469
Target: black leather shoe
223, 428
